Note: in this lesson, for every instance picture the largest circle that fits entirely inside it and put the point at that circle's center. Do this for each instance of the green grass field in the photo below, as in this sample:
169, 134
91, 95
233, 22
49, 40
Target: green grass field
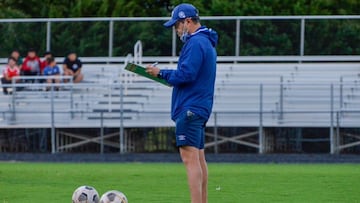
166, 183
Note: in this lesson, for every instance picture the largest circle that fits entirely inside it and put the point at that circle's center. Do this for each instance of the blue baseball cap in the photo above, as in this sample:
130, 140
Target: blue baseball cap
180, 12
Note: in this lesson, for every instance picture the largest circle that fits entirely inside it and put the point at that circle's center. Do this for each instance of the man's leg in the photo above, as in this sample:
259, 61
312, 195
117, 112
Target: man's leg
57, 81
48, 81
204, 169
78, 78
4, 82
191, 159
67, 73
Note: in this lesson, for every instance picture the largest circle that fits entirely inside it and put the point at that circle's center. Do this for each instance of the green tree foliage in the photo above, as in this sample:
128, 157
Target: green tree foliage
261, 37
86, 38
19, 36
334, 37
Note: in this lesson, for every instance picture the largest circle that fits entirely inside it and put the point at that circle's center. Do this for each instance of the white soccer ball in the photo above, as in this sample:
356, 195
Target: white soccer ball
85, 194
113, 196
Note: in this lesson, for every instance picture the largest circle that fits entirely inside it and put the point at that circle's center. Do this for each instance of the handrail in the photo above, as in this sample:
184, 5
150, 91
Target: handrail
220, 59
43, 77
90, 19
138, 52
128, 59
55, 112
173, 58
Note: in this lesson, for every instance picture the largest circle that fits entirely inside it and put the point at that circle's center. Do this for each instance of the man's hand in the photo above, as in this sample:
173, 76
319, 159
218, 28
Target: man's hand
77, 72
152, 70
70, 72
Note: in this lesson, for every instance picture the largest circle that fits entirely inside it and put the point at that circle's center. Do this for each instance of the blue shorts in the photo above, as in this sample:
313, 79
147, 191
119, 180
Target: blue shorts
190, 130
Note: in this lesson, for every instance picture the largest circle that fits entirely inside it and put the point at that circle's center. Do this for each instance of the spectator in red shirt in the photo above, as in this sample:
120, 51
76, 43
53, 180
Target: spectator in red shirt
11, 70
45, 63
32, 64
19, 60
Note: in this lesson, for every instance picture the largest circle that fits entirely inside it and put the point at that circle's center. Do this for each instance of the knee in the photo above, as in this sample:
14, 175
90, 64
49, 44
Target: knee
189, 157
186, 159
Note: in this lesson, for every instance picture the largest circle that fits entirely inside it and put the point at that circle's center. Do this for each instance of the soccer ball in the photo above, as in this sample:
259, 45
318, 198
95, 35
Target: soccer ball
113, 196
85, 194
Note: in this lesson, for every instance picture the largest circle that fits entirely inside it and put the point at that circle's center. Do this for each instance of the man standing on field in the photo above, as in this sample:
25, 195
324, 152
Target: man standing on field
193, 93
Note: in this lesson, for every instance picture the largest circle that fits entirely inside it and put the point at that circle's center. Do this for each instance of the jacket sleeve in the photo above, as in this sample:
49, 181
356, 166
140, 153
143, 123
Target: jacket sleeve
188, 68
40, 65
24, 66
43, 64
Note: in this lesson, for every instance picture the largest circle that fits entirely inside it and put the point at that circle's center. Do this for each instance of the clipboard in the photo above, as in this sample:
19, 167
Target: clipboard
142, 71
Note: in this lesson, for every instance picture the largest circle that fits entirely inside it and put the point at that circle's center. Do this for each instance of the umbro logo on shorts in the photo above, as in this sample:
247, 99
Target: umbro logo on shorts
182, 137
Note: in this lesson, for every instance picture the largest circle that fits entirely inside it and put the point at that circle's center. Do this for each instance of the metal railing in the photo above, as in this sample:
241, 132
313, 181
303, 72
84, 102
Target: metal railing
237, 24
54, 110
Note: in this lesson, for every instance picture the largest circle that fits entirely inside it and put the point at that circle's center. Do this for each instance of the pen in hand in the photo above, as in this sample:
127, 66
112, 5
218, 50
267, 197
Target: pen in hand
155, 64
152, 69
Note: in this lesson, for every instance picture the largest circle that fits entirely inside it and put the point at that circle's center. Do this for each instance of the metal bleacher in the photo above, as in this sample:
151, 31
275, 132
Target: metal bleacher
247, 95
257, 92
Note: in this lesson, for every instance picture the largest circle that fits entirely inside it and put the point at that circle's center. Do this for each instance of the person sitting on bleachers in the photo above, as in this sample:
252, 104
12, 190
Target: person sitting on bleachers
52, 70
44, 62
31, 65
72, 67
11, 70
19, 60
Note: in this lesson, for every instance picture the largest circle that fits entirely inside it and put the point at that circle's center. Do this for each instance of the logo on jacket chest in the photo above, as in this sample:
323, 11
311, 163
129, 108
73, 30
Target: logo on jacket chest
75, 66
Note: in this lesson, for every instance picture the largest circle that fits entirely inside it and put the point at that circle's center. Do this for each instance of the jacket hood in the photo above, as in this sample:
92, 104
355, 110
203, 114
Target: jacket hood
209, 33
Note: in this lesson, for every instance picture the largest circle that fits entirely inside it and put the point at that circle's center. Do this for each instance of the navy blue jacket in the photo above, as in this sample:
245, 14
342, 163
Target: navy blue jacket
194, 78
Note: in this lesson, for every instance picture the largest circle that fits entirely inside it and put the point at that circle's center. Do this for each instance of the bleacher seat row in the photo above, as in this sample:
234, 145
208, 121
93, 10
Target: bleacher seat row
292, 94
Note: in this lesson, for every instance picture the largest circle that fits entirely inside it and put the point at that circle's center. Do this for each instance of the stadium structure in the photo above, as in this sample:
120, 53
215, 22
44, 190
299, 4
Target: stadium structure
263, 104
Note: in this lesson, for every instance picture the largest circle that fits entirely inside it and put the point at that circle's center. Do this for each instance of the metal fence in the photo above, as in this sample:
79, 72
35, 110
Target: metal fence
334, 117
77, 105
49, 38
